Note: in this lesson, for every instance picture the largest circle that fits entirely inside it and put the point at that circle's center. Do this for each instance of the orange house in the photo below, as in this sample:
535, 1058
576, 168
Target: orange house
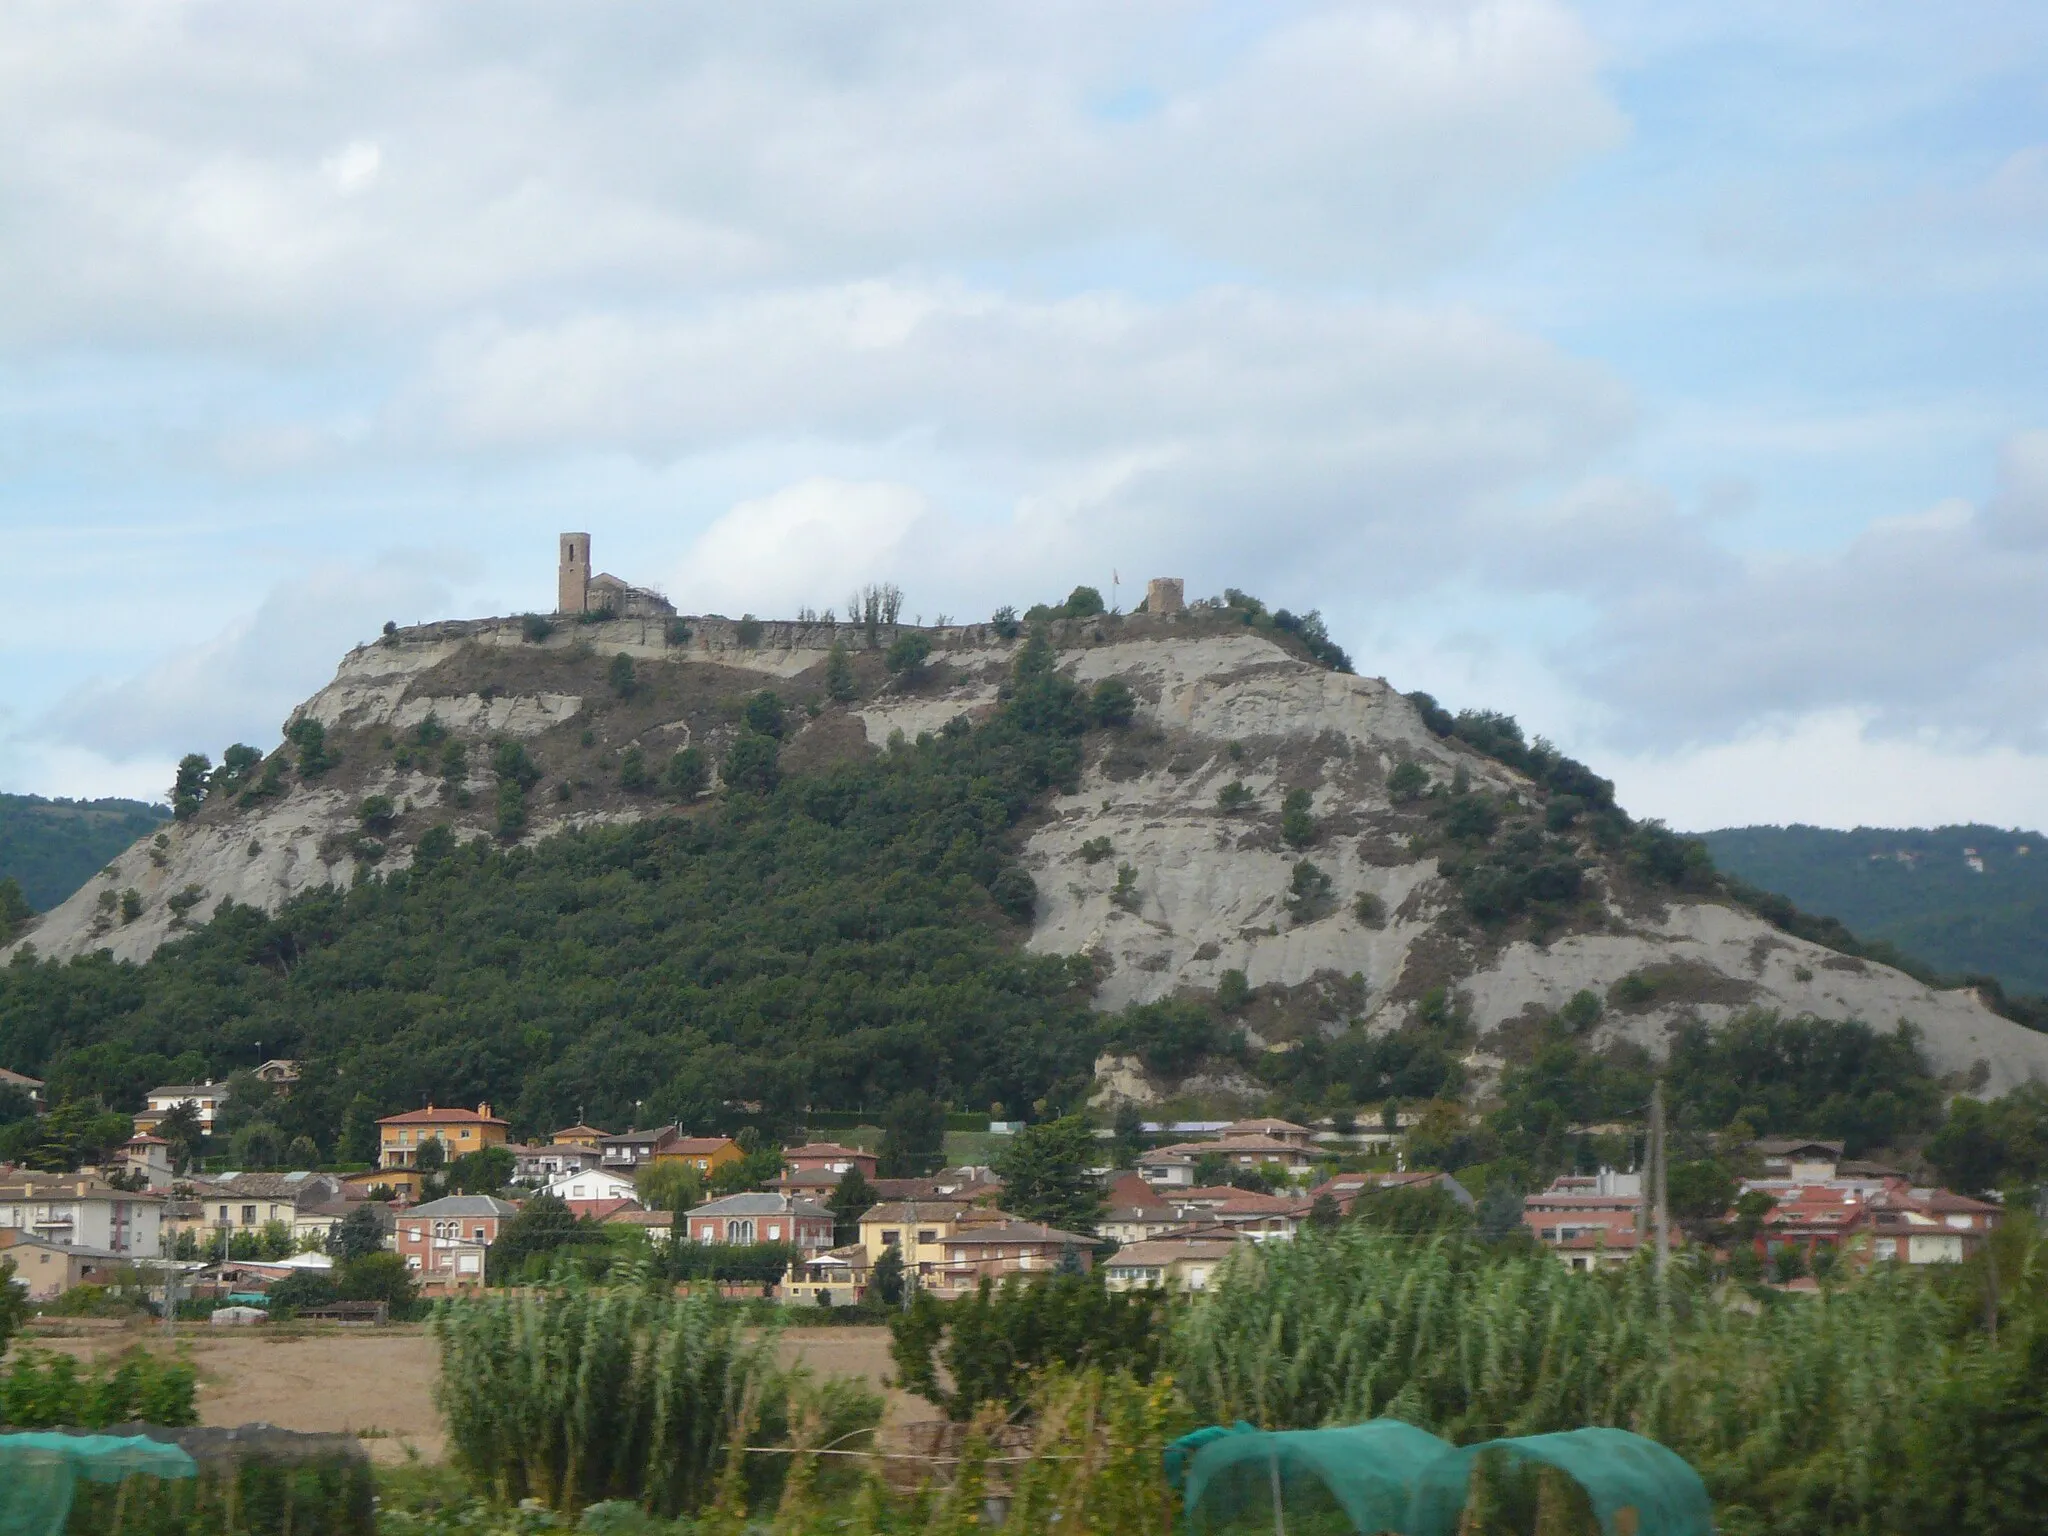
706, 1154
578, 1136
460, 1132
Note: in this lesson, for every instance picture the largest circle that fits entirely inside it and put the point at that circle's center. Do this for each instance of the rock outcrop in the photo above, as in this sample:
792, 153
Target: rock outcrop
1141, 867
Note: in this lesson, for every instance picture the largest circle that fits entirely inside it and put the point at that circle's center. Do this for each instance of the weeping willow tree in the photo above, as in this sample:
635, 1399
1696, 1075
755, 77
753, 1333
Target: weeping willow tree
573, 1395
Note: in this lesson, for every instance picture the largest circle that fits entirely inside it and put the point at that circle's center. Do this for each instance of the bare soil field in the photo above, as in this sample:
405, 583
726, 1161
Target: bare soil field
380, 1382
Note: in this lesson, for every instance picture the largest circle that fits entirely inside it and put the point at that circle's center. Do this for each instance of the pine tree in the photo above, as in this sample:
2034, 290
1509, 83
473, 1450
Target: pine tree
839, 681
1046, 1178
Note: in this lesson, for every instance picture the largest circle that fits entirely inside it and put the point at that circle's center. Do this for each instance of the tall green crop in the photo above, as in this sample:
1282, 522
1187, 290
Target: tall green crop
576, 1395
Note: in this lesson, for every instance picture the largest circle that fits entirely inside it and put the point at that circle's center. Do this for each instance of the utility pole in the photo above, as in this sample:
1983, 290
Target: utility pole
1661, 1189
910, 1242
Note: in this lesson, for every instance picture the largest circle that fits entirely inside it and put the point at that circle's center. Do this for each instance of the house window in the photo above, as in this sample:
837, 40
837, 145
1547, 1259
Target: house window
739, 1231
889, 1239
927, 1234
774, 1232
248, 1215
479, 1234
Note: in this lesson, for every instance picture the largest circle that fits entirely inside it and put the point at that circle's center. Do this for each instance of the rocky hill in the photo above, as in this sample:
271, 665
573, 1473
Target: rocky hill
1437, 875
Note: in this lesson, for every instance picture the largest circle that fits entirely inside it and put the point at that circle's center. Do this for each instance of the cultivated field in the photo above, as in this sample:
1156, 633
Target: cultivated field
380, 1383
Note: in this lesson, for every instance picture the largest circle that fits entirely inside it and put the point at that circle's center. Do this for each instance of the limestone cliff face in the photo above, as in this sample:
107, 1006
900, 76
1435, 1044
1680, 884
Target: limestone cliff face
1206, 889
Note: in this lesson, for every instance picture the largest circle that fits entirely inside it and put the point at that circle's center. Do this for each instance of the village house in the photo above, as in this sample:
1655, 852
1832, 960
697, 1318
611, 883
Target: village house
1285, 1131
630, 1150
591, 1186
317, 1222
1591, 1222
147, 1156
404, 1184
706, 1154
660, 1226
1345, 1188
1894, 1223
919, 1230
233, 1203
1168, 1263
542, 1165
1921, 1226
966, 1185
1137, 1223
45, 1269
1798, 1160
460, 1132
1236, 1151
760, 1217
206, 1100
1167, 1170
32, 1087
1253, 1214
1135, 1211
828, 1157
74, 1210
443, 1242
809, 1183
578, 1135
279, 1073
836, 1278
992, 1250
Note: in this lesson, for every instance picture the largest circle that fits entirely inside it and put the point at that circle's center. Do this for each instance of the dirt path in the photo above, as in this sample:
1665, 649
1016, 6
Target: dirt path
382, 1380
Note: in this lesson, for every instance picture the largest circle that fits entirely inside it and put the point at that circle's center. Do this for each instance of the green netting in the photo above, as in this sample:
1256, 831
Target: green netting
39, 1474
1355, 1479
1636, 1487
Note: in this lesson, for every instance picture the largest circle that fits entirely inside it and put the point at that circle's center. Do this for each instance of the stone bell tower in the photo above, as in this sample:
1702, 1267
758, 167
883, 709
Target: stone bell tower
572, 589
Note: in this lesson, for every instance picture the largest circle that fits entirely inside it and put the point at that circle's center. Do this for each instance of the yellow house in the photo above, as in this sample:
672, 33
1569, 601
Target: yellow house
921, 1242
706, 1154
460, 1132
404, 1183
577, 1136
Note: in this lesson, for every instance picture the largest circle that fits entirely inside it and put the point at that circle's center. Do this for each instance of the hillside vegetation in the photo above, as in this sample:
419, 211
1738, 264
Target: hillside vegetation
726, 875
51, 847
1915, 888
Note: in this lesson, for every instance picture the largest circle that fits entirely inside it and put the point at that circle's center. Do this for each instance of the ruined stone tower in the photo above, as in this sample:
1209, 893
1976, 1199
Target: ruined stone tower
572, 589
1165, 594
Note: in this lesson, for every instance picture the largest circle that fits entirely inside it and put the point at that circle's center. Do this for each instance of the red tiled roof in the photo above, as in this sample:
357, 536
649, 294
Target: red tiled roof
432, 1116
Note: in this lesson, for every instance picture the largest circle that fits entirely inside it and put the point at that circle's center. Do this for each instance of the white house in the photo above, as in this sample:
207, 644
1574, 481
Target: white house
75, 1211
591, 1184
205, 1098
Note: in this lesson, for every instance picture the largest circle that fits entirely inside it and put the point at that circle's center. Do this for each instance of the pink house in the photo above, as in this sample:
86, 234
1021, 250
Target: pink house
758, 1217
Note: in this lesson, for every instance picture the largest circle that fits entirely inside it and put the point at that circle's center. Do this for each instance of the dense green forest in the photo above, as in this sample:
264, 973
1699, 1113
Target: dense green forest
1916, 888
835, 938
52, 847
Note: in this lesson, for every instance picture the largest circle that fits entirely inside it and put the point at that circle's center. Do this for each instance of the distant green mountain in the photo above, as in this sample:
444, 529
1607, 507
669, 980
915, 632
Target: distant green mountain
1962, 899
52, 847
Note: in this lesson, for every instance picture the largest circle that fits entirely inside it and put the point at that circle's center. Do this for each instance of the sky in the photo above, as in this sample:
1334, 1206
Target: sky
1668, 375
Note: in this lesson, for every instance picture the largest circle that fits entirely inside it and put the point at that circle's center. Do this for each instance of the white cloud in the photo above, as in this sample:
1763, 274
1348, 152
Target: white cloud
173, 168
1924, 623
1828, 770
808, 544
353, 167
240, 684
1353, 436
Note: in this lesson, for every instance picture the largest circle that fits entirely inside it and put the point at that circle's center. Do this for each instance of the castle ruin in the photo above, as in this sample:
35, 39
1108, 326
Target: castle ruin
1165, 594
577, 591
